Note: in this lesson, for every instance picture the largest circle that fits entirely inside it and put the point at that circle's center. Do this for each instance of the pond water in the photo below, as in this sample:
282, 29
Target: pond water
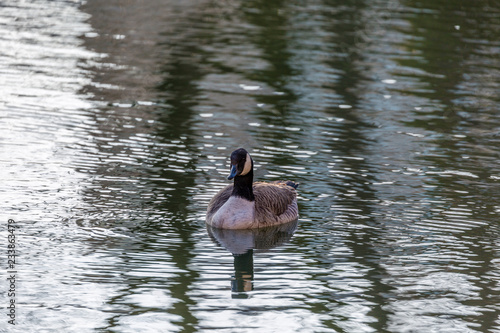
117, 120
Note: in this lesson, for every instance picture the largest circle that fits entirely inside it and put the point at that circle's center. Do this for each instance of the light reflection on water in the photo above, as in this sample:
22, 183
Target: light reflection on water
118, 119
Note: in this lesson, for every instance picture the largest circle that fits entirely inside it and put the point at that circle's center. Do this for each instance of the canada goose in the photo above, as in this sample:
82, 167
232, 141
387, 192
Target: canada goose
246, 205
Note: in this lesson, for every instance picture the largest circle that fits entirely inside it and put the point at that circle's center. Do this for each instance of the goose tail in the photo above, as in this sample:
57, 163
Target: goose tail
292, 184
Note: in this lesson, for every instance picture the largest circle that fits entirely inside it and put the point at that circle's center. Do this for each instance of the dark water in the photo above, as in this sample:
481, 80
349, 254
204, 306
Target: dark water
117, 119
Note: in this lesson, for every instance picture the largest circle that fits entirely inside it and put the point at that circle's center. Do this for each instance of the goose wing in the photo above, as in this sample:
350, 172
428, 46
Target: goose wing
276, 201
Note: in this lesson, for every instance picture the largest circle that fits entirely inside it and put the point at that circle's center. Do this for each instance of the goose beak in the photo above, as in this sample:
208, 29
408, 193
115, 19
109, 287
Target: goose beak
233, 172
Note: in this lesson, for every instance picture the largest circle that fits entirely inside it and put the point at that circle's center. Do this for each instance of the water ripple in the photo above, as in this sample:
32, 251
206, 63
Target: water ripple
119, 119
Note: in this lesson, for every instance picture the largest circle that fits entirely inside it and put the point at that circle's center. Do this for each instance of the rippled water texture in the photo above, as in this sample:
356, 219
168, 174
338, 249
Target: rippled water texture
117, 119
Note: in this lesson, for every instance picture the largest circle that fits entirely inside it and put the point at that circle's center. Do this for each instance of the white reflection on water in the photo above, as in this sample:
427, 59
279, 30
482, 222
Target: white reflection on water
42, 116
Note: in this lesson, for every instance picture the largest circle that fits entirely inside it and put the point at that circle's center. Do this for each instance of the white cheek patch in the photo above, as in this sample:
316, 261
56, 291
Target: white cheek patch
248, 165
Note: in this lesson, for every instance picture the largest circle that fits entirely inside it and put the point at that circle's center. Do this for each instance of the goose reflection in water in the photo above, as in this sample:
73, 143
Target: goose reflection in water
242, 243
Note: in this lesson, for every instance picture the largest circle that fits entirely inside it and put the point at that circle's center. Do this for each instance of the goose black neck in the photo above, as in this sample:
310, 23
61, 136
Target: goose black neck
243, 186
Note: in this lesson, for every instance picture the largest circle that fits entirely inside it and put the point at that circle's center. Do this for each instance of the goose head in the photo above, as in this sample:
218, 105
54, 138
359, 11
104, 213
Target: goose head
241, 163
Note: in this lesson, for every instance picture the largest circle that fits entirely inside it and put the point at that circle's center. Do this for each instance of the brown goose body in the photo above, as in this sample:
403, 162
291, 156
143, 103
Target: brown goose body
246, 205
275, 203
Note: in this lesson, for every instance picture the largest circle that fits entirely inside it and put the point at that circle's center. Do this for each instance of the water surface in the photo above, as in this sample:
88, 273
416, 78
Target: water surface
118, 119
